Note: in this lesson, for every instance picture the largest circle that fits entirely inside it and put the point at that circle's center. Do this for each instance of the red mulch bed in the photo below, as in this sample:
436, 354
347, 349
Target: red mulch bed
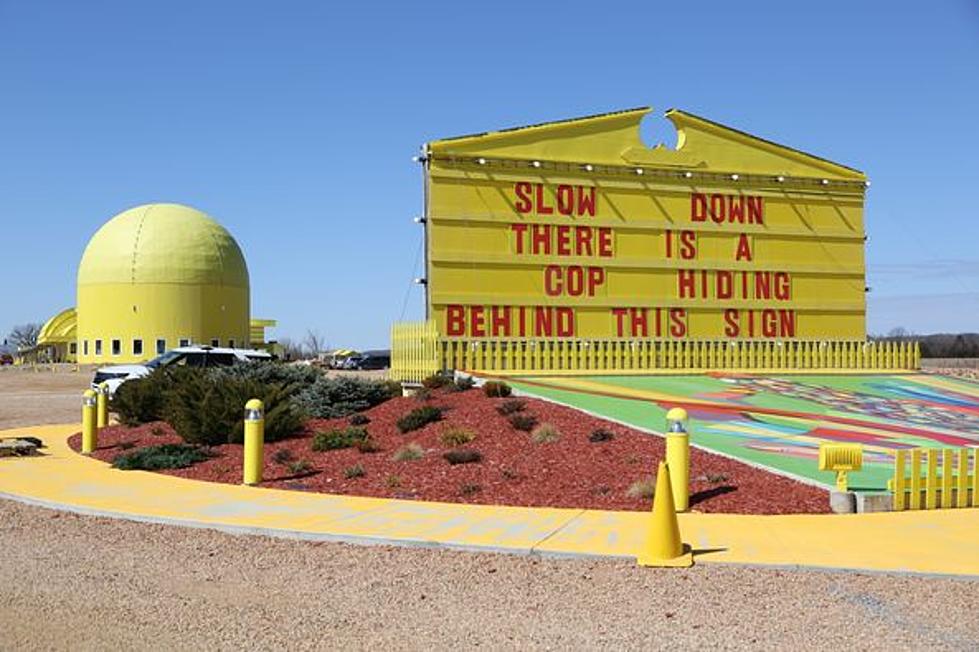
570, 472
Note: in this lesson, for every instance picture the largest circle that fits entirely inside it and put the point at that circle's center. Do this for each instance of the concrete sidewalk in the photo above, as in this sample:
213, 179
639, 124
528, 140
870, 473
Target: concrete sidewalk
939, 542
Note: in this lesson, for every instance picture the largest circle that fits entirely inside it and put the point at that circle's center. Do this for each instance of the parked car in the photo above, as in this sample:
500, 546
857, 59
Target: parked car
190, 356
369, 360
5, 359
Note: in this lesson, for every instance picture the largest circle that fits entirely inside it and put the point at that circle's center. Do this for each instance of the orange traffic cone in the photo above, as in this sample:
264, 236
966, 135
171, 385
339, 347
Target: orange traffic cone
662, 546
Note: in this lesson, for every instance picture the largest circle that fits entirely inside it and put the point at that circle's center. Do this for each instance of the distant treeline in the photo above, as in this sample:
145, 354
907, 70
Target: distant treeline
939, 345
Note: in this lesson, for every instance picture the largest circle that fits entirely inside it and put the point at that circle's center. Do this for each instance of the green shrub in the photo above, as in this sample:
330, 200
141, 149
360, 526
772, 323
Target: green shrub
393, 481
207, 407
283, 456
408, 452
368, 445
299, 467
355, 471
469, 488
496, 389
462, 456
524, 422
392, 388
422, 394
335, 439
455, 436
419, 418
600, 435
511, 406
165, 456
435, 381
545, 433
330, 398
271, 372
463, 384
359, 420
716, 478
141, 400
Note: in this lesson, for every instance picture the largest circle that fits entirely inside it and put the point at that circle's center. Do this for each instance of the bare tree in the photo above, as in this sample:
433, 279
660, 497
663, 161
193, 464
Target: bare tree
290, 350
898, 333
24, 336
313, 344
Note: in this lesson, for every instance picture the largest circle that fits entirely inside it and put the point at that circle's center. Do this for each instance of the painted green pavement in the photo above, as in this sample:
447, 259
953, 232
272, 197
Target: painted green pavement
779, 421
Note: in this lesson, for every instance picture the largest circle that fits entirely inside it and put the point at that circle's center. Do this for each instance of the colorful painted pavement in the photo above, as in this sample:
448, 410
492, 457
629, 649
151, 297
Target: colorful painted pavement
779, 421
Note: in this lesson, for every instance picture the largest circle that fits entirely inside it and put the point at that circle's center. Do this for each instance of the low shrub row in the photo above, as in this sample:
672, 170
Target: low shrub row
205, 406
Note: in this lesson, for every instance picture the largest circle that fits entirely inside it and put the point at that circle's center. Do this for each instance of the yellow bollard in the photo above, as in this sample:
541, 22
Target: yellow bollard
89, 431
254, 441
678, 457
663, 546
102, 403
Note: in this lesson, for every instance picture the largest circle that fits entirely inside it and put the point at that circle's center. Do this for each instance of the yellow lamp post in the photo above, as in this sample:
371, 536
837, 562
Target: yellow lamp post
678, 457
102, 400
254, 441
89, 431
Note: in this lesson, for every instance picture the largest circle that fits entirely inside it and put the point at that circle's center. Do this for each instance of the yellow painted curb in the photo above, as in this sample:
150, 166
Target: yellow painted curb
937, 542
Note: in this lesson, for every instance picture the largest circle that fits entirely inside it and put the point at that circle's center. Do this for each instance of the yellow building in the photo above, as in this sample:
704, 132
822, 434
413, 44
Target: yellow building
153, 278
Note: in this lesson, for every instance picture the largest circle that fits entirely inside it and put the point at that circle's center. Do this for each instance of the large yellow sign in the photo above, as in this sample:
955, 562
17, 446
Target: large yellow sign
575, 229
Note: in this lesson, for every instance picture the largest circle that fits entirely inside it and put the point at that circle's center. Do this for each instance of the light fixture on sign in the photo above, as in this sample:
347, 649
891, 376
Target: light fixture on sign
419, 158
780, 179
588, 167
688, 175
825, 182
481, 160
419, 220
536, 164
735, 177
421, 281
639, 171
866, 184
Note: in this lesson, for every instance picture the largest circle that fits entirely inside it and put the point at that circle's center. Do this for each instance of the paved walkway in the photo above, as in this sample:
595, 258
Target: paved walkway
943, 541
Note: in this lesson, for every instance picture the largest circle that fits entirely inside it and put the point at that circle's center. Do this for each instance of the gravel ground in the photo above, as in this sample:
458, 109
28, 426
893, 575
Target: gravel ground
78, 582
52, 394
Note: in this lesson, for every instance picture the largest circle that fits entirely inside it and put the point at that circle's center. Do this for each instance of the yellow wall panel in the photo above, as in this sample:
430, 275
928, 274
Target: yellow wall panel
726, 237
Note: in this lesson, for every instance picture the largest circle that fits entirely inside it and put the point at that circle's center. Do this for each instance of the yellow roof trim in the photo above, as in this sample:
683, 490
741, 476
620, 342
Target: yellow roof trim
60, 328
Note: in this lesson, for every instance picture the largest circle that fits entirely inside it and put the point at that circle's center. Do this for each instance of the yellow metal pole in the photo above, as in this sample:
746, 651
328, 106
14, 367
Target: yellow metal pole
102, 403
678, 457
89, 430
254, 441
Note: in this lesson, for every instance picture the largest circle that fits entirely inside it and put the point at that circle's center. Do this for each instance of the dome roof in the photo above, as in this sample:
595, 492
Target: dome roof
163, 243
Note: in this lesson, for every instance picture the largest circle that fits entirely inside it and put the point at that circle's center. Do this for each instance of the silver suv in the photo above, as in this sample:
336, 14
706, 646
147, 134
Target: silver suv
189, 356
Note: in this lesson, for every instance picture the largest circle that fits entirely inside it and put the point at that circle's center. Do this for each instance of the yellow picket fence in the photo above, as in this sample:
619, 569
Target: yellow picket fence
417, 346
943, 482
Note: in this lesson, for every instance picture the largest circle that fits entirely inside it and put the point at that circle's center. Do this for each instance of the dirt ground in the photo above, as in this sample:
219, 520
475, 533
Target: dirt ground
79, 582
47, 394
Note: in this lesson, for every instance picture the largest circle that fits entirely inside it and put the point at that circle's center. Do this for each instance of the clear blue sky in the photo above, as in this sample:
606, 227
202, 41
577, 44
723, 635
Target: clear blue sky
293, 124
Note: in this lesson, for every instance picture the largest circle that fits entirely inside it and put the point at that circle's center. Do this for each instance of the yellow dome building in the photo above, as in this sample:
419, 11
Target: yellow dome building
156, 277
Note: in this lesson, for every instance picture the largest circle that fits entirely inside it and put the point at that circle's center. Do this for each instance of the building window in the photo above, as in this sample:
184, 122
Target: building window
98, 347
231, 344
215, 342
116, 347
73, 348
161, 346
184, 341
84, 347
137, 347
